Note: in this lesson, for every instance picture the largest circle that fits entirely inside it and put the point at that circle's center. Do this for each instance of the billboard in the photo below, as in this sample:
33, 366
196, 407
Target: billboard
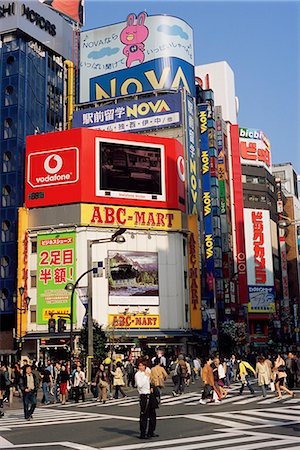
133, 278
130, 217
73, 9
238, 211
192, 164
22, 273
56, 266
95, 166
255, 148
194, 272
143, 114
133, 321
143, 54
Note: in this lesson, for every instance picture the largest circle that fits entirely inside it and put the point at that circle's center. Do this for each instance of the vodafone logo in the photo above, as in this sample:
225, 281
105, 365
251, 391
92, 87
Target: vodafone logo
53, 167
55, 161
181, 168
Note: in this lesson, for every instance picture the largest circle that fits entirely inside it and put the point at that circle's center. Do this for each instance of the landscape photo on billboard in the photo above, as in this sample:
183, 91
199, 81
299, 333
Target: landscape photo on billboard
133, 278
130, 168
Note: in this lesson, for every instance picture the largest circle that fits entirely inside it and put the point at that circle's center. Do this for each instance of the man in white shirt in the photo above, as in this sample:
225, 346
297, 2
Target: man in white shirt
147, 402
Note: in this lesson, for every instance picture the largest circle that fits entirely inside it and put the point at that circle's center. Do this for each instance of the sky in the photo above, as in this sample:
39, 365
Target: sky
259, 40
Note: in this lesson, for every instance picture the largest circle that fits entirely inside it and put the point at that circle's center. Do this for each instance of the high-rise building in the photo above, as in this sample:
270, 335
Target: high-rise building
34, 43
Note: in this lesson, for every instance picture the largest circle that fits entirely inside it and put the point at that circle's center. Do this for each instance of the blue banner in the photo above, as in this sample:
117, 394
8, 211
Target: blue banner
143, 114
192, 163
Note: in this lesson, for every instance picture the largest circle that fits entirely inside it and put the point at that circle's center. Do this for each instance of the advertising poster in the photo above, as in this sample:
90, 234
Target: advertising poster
133, 278
56, 267
142, 54
261, 299
192, 163
194, 273
255, 148
144, 114
22, 273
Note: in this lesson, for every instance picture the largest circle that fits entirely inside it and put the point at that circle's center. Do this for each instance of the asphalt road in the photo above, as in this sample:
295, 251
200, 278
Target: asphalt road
237, 423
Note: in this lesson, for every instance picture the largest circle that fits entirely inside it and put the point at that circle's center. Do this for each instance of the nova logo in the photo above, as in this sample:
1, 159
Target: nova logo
53, 167
205, 162
206, 203
144, 108
209, 246
203, 122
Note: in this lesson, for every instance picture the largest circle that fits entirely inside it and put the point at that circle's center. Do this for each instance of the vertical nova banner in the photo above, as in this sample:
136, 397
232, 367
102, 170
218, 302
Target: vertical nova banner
142, 54
56, 267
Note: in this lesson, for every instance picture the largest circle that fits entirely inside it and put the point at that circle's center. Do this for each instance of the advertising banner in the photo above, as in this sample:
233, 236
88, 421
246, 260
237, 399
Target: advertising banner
133, 278
206, 196
145, 114
144, 54
238, 209
194, 272
22, 271
258, 247
261, 299
56, 267
255, 148
70, 8
134, 320
130, 217
192, 163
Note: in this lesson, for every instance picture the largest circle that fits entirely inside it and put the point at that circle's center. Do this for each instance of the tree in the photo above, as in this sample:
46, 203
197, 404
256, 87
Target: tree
231, 337
99, 341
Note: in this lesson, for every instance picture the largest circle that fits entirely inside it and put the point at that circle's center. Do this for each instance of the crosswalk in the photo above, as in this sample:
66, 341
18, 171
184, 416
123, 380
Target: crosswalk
190, 399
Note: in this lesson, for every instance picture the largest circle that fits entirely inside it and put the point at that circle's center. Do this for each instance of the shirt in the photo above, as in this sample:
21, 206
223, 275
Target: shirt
142, 382
30, 381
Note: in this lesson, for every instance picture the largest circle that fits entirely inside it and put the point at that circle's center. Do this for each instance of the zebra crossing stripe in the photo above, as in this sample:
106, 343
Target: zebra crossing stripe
273, 415
248, 400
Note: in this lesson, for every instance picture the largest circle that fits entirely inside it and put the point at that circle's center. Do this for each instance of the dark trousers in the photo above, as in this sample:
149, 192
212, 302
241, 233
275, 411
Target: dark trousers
248, 386
130, 380
79, 391
29, 403
179, 387
290, 379
147, 413
117, 390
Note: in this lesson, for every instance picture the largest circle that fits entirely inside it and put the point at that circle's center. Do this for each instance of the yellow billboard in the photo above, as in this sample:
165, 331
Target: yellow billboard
133, 321
194, 273
22, 271
130, 217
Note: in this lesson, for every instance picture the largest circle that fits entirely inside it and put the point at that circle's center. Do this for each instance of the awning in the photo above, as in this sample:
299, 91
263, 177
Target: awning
43, 335
144, 334
8, 352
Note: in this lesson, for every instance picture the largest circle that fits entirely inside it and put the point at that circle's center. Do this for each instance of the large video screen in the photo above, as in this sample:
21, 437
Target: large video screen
130, 170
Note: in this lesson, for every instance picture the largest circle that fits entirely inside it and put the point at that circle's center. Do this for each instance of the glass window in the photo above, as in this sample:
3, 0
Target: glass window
3, 299
33, 279
4, 269
7, 166
8, 128
33, 314
6, 196
5, 231
244, 179
33, 246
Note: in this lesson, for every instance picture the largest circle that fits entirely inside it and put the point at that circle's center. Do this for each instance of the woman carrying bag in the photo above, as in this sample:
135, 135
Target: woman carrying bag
263, 375
118, 381
102, 382
280, 371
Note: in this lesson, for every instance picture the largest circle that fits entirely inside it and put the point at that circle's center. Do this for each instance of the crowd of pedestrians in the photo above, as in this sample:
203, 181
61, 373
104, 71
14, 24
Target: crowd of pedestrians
59, 383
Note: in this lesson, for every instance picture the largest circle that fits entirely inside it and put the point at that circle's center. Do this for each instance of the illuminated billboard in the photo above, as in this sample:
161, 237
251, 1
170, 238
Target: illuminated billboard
142, 54
73, 9
255, 148
95, 166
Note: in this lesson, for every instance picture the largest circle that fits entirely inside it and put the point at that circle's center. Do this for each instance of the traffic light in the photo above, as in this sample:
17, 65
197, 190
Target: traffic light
51, 325
61, 325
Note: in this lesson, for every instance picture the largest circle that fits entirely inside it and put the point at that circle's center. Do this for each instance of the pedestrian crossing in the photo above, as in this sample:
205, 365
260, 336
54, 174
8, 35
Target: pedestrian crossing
223, 440
190, 399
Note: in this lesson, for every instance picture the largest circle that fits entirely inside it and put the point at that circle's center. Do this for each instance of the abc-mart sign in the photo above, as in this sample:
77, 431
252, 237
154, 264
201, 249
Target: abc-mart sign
53, 167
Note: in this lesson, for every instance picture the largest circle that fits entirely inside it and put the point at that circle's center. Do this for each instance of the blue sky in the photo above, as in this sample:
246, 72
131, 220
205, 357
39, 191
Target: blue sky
261, 42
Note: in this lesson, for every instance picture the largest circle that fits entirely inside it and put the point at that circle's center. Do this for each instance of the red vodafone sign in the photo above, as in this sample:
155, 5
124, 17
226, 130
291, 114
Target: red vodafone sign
102, 167
53, 167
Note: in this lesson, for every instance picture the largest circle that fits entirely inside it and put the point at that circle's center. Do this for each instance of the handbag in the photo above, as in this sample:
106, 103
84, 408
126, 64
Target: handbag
272, 386
281, 368
83, 384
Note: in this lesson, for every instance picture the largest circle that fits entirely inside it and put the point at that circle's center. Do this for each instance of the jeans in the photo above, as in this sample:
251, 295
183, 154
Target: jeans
264, 389
46, 388
29, 403
117, 390
55, 390
246, 382
179, 388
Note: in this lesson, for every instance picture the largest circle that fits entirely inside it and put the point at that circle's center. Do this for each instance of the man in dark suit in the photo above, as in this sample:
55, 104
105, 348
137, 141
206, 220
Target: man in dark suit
29, 387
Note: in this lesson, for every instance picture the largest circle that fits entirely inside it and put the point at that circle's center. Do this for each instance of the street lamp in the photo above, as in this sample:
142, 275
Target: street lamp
22, 310
286, 221
116, 237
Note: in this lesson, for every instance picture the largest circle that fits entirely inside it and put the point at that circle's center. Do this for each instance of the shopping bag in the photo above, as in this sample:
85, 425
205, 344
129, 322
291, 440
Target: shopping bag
272, 386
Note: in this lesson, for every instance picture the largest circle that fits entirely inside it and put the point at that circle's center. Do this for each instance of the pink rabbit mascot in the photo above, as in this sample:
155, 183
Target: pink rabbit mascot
133, 37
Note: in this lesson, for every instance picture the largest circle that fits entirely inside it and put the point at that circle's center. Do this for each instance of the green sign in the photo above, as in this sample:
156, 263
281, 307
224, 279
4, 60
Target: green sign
56, 267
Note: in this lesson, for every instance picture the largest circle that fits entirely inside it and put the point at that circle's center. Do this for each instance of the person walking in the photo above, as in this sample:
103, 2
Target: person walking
263, 374
280, 377
291, 370
130, 370
208, 381
181, 372
102, 382
158, 377
244, 367
147, 402
29, 387
118, 380
56, 371
79, 383
46, 385
2, 390
63, 380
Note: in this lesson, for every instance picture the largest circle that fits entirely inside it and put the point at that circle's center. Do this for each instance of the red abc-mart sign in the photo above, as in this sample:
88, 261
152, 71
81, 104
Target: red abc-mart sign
53, 167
